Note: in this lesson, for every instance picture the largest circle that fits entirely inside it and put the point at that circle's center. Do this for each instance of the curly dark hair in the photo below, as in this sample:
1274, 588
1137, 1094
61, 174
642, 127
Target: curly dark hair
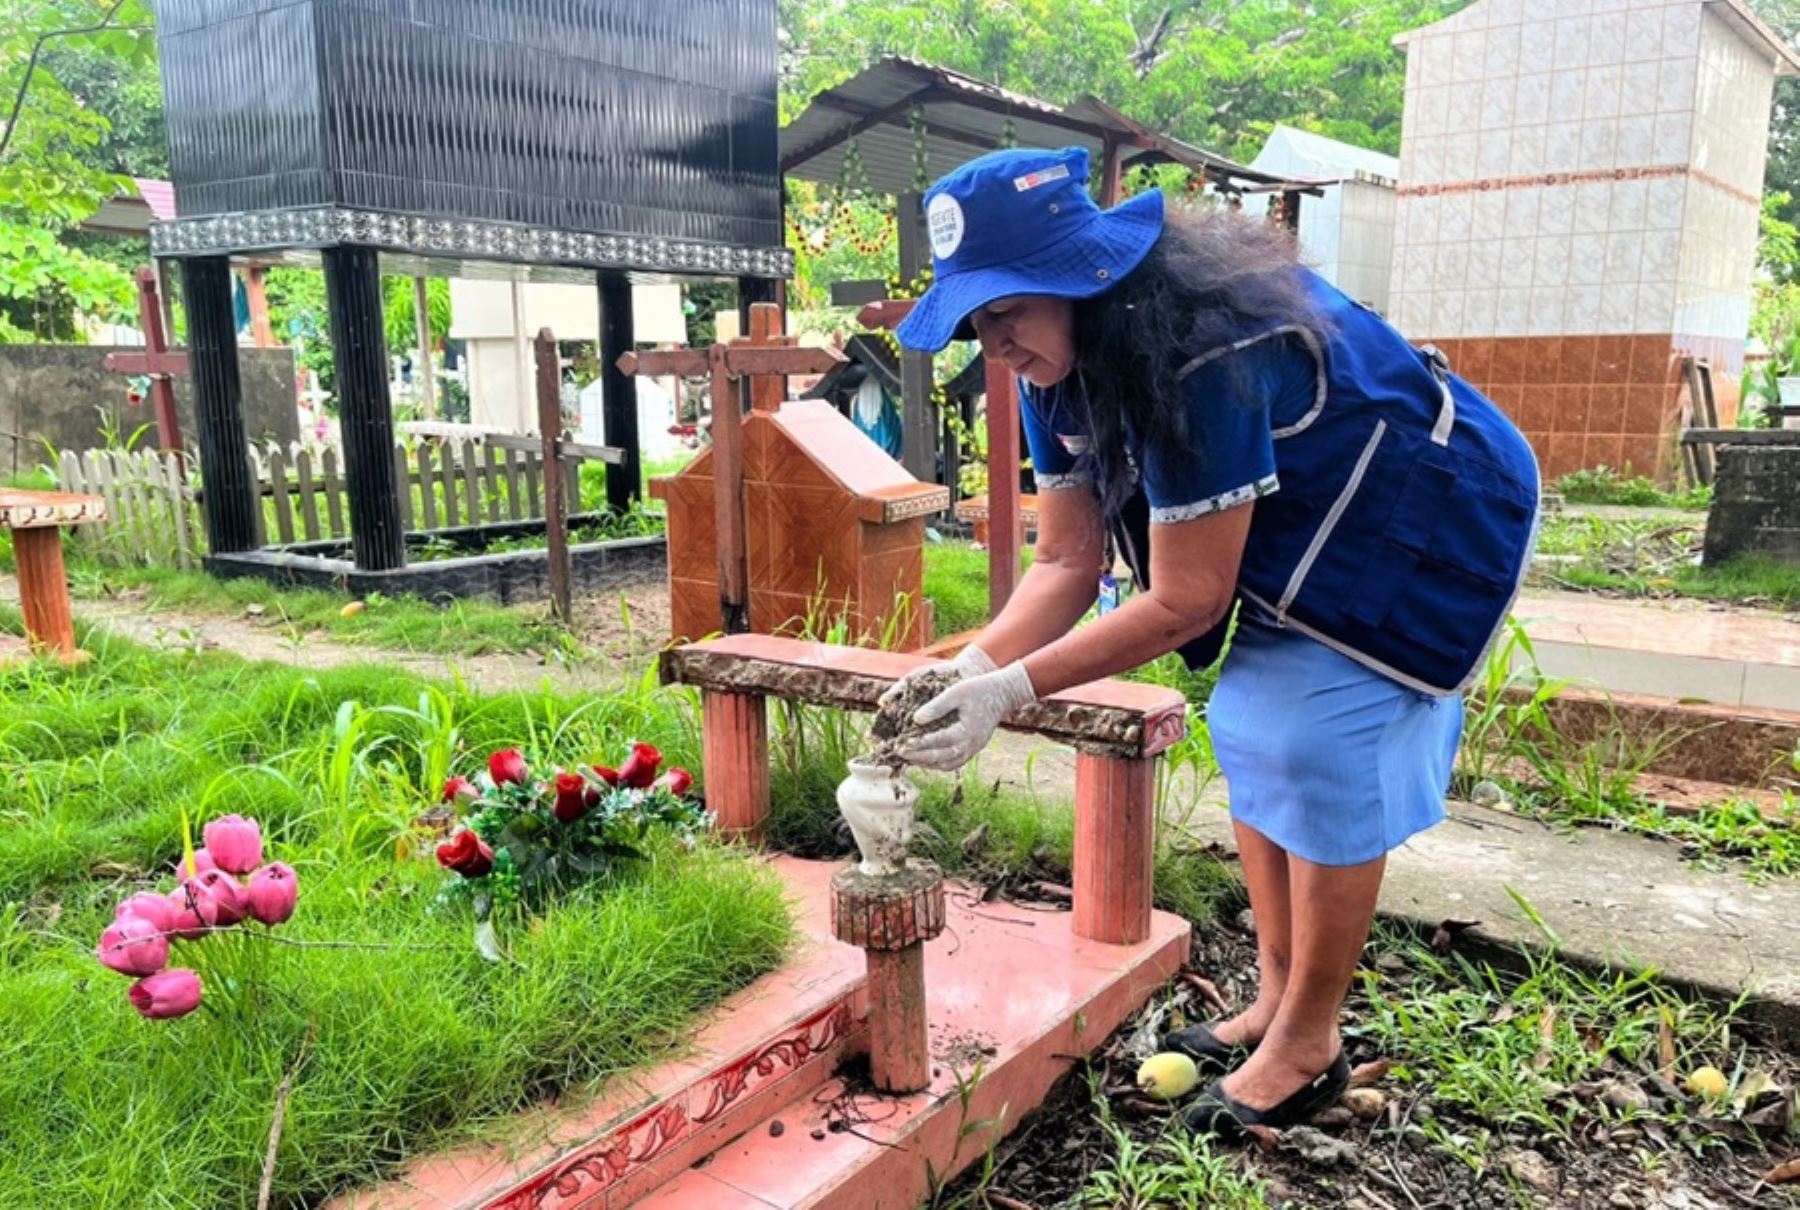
1210, 280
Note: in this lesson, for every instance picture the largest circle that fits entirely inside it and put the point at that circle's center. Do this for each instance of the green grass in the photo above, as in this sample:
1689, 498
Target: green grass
956, 583
1506, 1048
414, 1041
1177, 1170
1603, 485
1653, 558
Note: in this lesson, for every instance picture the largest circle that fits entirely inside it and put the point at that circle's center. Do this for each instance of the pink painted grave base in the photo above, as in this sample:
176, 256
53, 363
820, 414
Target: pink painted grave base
1011, 989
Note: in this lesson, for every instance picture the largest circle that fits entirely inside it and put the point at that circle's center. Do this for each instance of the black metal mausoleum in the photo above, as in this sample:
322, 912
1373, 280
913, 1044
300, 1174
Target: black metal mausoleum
534, 139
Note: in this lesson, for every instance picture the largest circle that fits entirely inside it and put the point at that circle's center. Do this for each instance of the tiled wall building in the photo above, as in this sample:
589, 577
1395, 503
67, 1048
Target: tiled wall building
1580, 183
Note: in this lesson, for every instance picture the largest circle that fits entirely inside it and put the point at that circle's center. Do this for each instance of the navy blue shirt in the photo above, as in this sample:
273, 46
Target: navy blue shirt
1231, 406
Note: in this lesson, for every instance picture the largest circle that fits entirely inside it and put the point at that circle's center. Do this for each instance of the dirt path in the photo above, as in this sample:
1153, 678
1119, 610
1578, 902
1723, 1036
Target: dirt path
132, 617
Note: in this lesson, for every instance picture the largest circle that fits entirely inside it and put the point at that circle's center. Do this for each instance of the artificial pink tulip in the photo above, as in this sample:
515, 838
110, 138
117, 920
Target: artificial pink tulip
150, 906
203, 861
235, 844
133, 946
676, 781
507, 766
227, 894
195, 910
173, 993
461, 790
274, 890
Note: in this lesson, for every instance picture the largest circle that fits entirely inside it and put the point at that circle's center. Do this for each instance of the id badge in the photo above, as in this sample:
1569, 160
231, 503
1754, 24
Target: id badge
1109, 594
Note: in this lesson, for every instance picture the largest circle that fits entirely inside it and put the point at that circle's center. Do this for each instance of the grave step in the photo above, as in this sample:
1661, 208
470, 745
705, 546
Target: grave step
1014, 998
1683, 650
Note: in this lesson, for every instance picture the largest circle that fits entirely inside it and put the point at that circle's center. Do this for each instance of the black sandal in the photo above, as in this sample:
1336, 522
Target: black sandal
1218, 1112
1205, 1048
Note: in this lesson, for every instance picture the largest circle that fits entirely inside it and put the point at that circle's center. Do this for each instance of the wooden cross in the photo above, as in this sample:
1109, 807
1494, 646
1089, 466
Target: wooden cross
158, 361
765, 358
1005, 528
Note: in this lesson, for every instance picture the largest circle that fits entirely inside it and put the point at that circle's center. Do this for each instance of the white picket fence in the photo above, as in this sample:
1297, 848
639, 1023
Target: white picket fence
153, 505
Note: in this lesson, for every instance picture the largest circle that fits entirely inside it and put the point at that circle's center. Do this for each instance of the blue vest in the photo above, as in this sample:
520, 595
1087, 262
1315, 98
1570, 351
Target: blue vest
1406, 516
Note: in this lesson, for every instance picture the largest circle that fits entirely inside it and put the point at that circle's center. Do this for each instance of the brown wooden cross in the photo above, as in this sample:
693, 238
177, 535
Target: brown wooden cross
1005, 525
158, 361
765, 359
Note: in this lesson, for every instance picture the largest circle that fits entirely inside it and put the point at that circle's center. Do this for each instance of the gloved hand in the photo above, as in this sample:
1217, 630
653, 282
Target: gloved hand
979, 703
970, 661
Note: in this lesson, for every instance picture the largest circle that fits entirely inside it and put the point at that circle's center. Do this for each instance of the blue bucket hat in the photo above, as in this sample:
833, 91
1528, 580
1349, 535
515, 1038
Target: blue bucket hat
1021, 222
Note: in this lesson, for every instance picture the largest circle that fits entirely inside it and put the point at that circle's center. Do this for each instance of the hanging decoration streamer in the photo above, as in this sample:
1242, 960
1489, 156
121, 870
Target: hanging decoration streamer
921, 166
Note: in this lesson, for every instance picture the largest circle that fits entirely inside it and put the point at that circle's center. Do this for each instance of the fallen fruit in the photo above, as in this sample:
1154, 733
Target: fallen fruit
1706, 1082
1167, 1076
351, 609
1365, 1103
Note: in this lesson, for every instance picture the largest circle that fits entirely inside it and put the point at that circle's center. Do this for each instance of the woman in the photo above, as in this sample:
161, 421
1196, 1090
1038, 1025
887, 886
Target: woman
1248, 437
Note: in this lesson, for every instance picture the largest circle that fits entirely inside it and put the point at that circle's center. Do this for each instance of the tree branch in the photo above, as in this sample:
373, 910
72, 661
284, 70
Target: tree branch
37, 48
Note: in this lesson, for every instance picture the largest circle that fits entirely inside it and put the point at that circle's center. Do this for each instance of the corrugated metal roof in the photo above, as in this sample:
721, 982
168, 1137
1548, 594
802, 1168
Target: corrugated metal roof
963, 118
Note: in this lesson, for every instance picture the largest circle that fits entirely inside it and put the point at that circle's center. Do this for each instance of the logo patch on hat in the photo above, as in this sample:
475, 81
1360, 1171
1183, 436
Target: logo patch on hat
944, 221
1043, 176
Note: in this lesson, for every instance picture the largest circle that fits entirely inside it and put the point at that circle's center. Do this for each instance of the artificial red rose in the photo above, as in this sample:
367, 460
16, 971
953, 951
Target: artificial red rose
571, 797
677, 781
607, 775
460, 790
639, 769
507, 766
466, 855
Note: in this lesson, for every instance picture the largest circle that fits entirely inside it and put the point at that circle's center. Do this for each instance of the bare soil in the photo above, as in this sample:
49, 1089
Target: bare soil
894, 728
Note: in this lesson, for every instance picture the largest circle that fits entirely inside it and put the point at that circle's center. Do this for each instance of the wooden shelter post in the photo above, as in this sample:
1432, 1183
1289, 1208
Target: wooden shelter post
1005, 528
918, 419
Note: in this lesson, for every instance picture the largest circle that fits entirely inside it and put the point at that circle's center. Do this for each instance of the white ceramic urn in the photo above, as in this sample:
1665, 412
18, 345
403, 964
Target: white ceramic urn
879, 806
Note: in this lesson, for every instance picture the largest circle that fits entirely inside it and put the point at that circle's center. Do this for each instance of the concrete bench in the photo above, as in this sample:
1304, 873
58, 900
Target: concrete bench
1118, 729
36, 520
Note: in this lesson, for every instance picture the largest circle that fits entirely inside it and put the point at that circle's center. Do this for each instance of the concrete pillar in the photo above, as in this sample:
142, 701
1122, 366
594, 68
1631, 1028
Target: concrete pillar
735, 752
1115, 847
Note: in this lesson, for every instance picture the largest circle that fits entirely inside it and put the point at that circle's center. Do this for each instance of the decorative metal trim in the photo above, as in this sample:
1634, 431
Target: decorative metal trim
461, 239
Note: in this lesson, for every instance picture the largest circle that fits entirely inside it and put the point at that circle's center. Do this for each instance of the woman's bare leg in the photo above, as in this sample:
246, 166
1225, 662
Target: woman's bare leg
1332, 908
1265, 866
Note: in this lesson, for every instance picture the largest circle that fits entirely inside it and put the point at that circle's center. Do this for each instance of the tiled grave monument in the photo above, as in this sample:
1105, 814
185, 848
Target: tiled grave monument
1578, 206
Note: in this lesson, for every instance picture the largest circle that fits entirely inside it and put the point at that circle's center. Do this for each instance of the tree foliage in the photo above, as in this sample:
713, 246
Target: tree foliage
52, 171
1215, 72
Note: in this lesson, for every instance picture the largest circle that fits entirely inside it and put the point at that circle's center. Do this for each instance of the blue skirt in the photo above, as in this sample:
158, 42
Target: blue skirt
1332, 761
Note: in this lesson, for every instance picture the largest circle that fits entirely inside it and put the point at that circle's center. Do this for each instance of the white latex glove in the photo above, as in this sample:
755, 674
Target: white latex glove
970, 661
979, 703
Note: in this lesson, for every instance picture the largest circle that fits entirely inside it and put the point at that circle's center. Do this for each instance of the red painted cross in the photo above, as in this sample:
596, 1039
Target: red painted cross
159, 362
